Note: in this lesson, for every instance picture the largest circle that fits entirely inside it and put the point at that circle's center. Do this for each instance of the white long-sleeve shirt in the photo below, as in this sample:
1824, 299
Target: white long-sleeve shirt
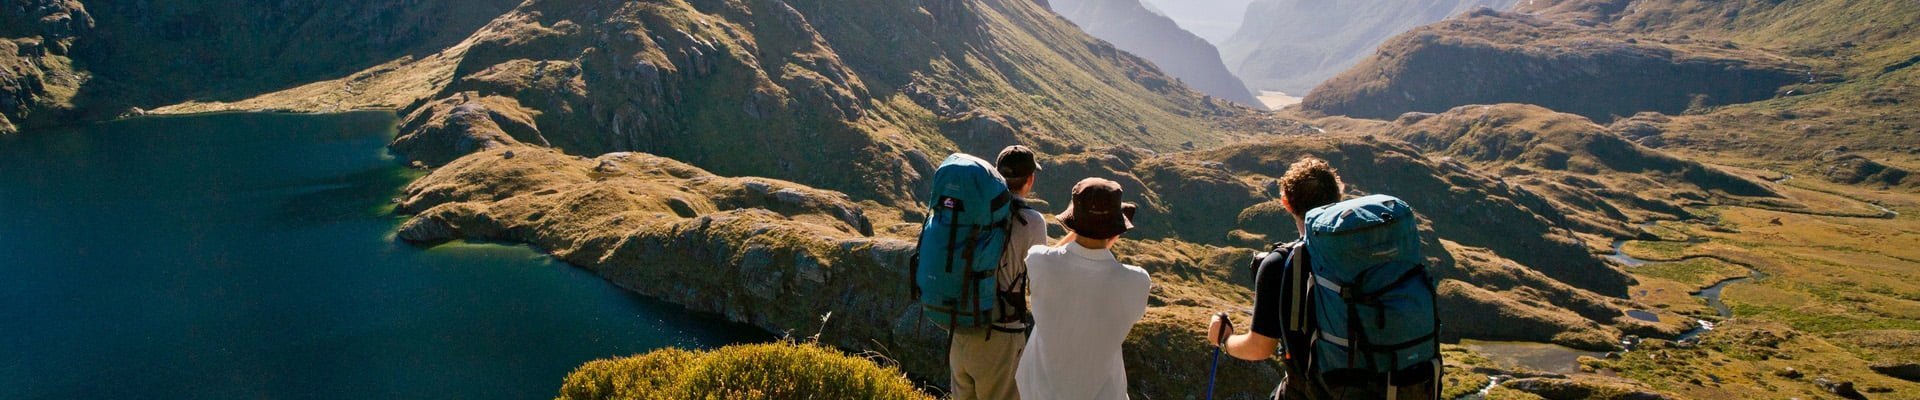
1084, 304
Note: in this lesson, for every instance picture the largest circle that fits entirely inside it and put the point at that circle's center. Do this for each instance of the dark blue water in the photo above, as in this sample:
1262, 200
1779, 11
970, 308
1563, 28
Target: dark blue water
1643, 315
251, 256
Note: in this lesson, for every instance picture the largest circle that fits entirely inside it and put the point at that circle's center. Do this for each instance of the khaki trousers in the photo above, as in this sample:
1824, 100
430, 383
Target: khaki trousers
983, 365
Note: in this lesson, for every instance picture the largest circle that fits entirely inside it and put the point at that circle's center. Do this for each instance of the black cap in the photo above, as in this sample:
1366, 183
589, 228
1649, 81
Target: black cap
1017, 161
1096, 211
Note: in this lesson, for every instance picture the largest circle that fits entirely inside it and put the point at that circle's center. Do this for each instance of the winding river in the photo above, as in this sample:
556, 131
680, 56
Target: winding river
1710, 294
251, 256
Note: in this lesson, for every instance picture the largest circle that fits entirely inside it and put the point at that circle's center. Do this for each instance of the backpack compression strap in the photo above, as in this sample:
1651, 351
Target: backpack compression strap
1371, 299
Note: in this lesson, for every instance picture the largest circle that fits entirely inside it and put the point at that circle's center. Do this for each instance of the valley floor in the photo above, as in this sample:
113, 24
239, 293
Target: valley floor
1824, 302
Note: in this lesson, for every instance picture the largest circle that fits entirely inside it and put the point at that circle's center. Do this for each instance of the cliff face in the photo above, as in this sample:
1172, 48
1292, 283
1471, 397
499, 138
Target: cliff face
149, 54
1491, 57
64, 61
37, 76
1129, 25
1293, 45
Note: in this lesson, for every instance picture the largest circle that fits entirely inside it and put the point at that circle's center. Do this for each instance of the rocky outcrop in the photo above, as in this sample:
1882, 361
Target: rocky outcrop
441, 131
1131, 26
1293, 45
1853, 169
37, 76
1489, 57
1844, 389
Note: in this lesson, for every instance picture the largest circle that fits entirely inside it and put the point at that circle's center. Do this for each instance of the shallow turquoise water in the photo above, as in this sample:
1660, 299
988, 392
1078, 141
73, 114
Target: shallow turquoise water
250, 256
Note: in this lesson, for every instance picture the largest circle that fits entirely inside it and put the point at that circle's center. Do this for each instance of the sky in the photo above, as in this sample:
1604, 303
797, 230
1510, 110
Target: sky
1213, 20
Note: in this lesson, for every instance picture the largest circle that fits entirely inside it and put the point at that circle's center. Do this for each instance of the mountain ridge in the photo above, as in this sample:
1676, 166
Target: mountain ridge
1293, 45
1131, 26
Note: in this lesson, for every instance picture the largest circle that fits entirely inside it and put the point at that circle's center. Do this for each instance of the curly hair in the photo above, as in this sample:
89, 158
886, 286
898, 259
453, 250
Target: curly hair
1310, 183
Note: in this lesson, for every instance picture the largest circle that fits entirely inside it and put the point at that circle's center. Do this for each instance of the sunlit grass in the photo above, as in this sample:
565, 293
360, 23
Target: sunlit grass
784, 370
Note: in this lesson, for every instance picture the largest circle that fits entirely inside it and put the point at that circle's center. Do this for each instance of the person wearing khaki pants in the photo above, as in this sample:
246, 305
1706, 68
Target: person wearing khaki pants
984, 359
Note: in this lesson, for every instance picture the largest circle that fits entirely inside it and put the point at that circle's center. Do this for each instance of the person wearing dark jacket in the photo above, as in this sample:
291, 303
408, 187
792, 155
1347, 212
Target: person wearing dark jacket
1277, 317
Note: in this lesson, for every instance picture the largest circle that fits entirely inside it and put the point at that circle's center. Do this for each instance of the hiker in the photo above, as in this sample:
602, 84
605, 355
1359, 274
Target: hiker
983, 359
1341, 347
1084, 302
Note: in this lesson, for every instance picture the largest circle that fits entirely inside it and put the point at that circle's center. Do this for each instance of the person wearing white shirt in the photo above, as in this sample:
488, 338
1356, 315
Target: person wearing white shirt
1084, 302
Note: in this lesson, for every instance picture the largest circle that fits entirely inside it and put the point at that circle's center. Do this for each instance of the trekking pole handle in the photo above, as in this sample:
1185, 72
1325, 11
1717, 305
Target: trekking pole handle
1226, 328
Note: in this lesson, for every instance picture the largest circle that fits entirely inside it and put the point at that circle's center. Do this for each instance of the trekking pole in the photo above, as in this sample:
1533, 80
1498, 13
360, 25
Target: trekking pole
1214, 371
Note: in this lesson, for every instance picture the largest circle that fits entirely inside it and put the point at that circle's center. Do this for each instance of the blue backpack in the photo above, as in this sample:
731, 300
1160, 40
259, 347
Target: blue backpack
1372, 298
962, 242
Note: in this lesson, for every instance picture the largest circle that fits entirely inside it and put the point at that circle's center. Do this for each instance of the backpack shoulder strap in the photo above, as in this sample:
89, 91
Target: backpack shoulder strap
1299, 274
1018, 205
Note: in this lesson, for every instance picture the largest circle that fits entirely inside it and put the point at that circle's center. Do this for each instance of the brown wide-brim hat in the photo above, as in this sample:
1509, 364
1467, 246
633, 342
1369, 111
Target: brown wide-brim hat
1096, 211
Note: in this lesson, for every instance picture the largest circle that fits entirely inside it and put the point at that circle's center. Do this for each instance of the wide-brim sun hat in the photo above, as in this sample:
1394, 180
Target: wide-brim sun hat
1096, 210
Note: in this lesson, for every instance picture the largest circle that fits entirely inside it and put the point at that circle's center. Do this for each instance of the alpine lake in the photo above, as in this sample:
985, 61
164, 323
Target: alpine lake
252, 256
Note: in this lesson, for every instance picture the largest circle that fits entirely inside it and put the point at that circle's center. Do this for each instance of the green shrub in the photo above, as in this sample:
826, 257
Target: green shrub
759, 371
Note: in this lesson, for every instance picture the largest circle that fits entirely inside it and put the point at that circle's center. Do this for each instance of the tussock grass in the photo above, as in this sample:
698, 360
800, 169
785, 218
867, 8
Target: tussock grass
1700, 272
784, 370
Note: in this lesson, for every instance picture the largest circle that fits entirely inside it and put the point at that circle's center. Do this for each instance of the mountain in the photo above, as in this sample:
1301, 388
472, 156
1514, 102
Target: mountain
1131, 26
1213, 20
1490, 57
1293, 45
1821, 86
133, 55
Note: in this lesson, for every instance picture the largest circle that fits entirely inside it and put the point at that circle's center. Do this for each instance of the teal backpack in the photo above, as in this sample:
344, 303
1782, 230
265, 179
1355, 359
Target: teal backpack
962, 242
1372, 297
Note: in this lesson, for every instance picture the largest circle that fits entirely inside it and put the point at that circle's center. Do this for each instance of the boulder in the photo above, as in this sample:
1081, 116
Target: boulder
1844, 389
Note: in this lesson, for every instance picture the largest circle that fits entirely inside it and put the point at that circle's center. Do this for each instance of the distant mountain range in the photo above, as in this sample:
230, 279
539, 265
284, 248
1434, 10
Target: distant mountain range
1132, 26
1293, 45
1214, 20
